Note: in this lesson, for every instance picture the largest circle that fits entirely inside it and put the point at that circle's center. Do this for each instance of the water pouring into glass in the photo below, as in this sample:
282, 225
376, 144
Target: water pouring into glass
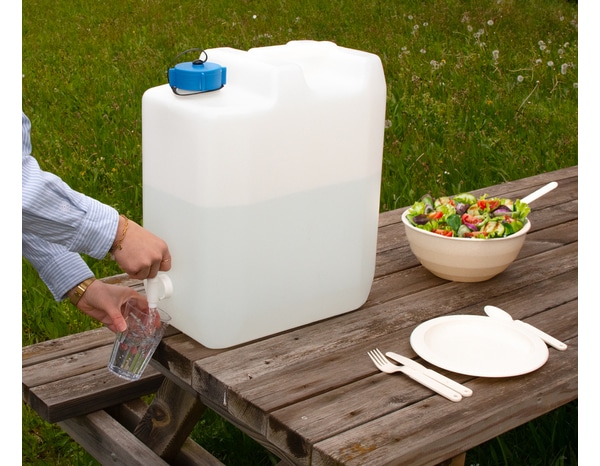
146, 326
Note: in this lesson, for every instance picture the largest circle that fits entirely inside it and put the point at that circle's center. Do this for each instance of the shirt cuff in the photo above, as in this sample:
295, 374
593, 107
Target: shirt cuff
64, 273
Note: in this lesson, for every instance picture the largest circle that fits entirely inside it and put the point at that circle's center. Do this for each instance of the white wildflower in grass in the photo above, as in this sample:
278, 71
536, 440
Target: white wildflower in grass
495, 55
434, 64
520, 79
563, 68
254, 16
490, 22
550, 63
423, 51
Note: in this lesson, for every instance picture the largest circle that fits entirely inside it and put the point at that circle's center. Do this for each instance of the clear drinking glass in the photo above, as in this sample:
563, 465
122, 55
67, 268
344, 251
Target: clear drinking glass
134, 348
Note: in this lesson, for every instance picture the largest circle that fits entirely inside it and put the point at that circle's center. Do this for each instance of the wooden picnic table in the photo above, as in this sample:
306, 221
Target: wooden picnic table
311, 395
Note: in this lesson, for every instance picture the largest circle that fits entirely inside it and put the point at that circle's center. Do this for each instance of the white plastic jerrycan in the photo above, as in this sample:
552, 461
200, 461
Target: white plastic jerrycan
265, 185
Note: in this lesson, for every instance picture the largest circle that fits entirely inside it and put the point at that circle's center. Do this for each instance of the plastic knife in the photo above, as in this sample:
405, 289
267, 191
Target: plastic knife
464, 391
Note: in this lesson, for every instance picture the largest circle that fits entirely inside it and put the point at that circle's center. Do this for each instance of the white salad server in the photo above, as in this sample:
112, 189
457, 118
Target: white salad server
540, 192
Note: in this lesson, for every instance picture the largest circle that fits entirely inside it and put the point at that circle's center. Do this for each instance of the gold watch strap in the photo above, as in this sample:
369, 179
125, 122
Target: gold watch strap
80, 289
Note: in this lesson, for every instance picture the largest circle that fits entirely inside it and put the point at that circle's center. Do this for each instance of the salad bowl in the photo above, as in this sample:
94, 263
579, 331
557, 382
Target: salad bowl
464, 259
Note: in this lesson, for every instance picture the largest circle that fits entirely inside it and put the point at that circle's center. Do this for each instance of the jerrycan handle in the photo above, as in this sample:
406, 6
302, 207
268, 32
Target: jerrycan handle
197, 76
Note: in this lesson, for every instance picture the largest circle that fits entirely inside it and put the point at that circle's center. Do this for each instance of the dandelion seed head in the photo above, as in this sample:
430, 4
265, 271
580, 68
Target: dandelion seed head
520, 79
538, 61
563, 68
470, 28
415, 27
550, 63
425, 24
495, 54
575, 85
254, 16
490, 22
423, 51
410, 17
388, 123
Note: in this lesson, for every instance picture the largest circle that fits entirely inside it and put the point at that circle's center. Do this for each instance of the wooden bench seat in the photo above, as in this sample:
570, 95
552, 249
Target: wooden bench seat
66, 381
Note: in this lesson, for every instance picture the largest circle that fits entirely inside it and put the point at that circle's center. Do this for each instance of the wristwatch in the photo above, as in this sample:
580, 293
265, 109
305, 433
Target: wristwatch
77, 292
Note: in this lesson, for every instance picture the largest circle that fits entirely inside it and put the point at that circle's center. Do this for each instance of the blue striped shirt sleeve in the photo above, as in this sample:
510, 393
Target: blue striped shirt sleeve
59, 223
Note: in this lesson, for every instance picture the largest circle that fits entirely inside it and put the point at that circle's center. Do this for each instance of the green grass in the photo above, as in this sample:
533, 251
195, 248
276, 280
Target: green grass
479, 92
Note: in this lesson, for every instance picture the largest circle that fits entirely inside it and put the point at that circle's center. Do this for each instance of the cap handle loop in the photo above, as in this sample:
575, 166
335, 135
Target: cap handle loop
198, 61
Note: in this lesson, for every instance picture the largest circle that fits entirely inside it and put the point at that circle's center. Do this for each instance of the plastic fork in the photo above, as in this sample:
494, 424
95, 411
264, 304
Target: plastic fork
385, 365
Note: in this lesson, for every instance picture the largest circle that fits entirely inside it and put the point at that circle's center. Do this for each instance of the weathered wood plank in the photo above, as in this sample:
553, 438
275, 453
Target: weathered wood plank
169, 420
179, 353
52, 349
404, 435
63, 367
348, 330
129, 415
108, 441
280, 389
305, 378
88, 392
320, 416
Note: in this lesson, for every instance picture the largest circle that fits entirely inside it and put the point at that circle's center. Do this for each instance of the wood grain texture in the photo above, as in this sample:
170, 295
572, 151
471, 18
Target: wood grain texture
312, 396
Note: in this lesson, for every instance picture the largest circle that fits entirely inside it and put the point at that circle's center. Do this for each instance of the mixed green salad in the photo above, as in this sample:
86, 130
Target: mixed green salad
465, 216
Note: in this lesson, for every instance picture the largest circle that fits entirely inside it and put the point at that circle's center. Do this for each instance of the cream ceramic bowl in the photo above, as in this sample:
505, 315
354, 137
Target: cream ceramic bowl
463, 259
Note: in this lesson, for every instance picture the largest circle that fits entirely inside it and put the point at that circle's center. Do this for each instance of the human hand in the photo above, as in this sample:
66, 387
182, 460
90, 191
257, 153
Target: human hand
105, 303
140, 253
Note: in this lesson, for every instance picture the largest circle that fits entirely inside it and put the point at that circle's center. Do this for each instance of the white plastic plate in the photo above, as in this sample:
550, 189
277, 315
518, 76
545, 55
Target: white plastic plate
479, 346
